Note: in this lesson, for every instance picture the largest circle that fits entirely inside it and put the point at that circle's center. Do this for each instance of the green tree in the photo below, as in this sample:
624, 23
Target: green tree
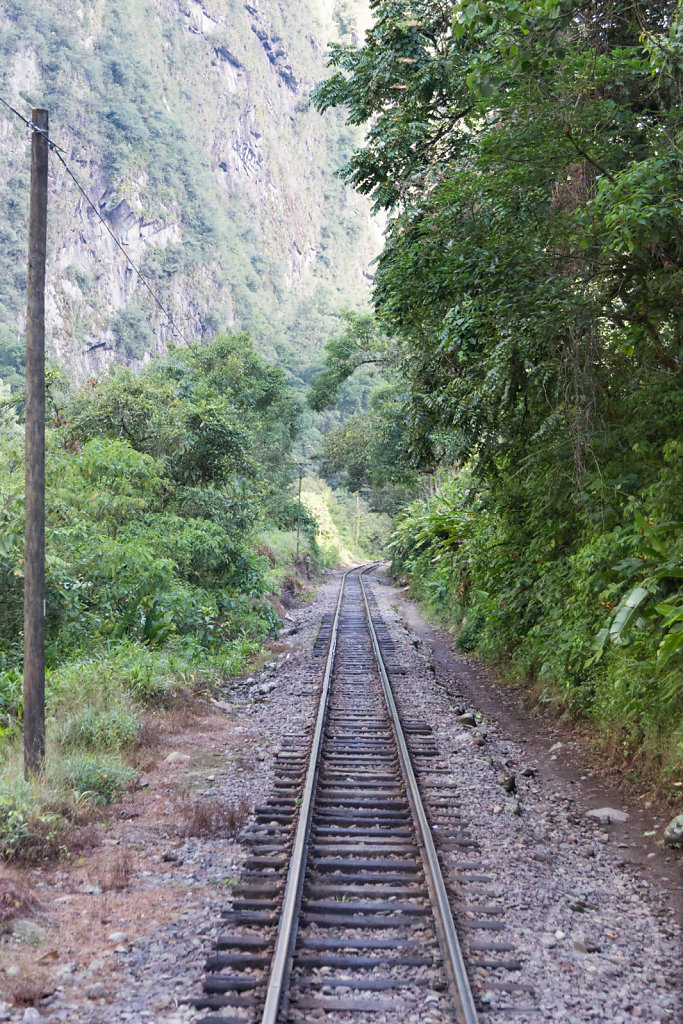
361, 344
156, 484
529, 157
371, 451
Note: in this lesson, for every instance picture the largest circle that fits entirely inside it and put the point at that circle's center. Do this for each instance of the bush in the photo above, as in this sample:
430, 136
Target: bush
142, 679
541, 605
124, 669
210, 817
101, 778
469, 633
235, 656
91, 729
27, 834
17, 806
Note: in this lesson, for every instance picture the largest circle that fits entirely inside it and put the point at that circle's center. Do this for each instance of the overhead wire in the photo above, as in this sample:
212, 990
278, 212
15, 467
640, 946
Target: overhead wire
29, 124
58, 151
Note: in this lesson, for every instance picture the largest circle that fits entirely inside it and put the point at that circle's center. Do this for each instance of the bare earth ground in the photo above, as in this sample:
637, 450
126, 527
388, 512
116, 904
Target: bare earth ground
126, 927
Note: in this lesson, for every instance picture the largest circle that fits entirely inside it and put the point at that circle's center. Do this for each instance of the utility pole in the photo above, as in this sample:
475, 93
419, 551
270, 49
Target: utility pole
298, 512
357, 521
34, 550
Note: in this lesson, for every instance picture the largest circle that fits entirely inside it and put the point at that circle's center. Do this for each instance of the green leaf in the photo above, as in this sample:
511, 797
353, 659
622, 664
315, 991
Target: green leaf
598, 647
671, 645
625, 612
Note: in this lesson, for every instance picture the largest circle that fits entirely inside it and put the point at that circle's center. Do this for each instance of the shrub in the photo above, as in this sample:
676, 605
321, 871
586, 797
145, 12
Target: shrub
27, 834
102, 778
541, 605
11, 700
211, 817
469, 633
115, 872
91, 729
16, 807
16, 898
234, 657
123, 669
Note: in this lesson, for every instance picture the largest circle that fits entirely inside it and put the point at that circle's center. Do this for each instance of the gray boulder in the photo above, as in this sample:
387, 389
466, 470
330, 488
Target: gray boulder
28, 931
673, 833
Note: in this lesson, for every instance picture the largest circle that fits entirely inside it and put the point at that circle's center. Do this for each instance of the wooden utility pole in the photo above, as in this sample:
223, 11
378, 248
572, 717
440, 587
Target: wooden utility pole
298, 513
34, 551
357, 521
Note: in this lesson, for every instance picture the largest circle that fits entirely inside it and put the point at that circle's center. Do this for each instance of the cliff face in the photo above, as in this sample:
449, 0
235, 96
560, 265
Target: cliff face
187, 124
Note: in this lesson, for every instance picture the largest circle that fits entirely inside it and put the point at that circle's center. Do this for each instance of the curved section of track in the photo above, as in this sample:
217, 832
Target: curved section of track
346, 914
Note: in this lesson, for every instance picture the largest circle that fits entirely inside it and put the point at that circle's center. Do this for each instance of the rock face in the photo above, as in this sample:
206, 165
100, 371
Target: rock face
187, 124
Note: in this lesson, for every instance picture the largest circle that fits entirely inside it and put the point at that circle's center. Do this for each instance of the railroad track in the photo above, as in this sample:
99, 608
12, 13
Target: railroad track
342, 912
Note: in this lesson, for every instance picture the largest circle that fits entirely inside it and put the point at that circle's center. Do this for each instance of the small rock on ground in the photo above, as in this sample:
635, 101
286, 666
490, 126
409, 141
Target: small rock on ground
607, 815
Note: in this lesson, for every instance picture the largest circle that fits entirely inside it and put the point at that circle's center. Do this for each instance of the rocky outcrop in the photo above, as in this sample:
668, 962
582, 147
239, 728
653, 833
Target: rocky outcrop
274, 49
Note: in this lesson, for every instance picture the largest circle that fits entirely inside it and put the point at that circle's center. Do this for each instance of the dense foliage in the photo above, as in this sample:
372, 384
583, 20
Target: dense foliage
368, 449
156, 485
171, 536
348, 528
529, 153
161, 487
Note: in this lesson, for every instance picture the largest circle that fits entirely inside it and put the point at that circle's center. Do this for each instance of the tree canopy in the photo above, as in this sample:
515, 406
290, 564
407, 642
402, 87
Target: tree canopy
530, 156
528, 153
156, 485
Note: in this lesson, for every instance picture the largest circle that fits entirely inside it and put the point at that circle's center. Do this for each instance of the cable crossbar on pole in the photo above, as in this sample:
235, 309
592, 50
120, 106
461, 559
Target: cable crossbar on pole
58, 153
31, 125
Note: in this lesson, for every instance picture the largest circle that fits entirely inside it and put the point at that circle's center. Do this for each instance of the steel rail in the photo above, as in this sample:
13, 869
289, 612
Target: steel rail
453, 958
288, 923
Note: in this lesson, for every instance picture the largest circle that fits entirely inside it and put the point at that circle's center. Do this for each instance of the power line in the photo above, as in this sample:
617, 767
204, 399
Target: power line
58, 153
142, 277
32, 126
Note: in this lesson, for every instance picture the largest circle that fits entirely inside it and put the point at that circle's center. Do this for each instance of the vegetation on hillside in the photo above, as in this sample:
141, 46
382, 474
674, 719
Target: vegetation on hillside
157, 483
529, 155
187, 133
171, 535
347, 526
163, 489
366, 447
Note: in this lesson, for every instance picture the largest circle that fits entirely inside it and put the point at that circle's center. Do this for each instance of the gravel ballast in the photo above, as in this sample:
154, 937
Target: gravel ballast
597, 939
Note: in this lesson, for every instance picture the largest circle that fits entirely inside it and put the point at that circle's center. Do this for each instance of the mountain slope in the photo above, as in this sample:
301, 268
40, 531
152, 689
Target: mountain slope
187, 124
